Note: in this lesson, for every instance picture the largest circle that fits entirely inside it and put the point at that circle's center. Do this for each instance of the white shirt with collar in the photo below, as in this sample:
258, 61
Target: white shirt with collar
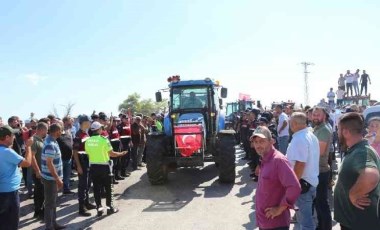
285, 132
304, 147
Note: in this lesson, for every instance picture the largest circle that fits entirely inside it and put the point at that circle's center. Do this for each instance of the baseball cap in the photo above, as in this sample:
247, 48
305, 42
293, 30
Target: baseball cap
95, 126
138, 117
6, 130
262, 132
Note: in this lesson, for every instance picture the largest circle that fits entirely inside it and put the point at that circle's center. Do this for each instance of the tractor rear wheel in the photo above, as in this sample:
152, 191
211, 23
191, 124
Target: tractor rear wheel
155, 151
226, 158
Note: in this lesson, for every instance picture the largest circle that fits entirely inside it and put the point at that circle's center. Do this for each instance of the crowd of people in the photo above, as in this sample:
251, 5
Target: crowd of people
291, 155
102, 150
348, 86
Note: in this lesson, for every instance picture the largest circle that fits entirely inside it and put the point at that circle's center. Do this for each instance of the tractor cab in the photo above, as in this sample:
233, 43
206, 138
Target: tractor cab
194, 131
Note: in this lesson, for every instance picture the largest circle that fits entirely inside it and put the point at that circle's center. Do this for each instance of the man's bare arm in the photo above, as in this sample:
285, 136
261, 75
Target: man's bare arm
366, 182
322, 148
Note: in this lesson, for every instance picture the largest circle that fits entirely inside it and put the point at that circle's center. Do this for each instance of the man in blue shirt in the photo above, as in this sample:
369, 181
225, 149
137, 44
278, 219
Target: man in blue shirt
51, 172
10, 177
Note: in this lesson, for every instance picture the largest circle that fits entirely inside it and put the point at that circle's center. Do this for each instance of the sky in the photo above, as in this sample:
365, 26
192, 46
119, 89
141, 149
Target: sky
95, 53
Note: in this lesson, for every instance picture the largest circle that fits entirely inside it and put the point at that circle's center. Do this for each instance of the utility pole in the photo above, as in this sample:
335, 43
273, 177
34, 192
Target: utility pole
306, 92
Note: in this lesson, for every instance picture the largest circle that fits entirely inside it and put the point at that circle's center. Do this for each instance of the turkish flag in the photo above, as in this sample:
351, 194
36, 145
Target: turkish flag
188, 138
244, 97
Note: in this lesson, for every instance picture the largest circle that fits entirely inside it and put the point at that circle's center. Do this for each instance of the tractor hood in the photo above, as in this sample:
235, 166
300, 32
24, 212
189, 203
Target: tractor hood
190, 117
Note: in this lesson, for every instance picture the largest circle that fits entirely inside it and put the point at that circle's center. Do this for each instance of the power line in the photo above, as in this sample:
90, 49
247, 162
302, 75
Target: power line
306, 81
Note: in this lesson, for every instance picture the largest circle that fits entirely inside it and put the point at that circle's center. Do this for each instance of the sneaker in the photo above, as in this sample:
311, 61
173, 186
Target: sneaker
119, 178
100, 211
112, 210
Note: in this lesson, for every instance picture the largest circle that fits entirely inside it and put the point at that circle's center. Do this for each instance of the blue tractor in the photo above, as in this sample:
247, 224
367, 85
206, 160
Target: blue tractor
194, 131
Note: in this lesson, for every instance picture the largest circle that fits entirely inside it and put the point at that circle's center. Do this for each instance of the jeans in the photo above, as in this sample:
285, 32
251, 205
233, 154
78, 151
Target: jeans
9, 210
283, 143
66, 166
140, 152
322, 204
363, 86
356, 87
305, 210
50, 192
331, 104
349, 88
38, 195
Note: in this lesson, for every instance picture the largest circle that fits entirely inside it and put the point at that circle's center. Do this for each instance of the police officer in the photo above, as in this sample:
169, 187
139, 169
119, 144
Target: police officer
82, 163
115, 142
99, 150
125, 132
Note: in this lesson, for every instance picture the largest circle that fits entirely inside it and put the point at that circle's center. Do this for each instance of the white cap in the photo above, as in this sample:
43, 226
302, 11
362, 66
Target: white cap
95, 126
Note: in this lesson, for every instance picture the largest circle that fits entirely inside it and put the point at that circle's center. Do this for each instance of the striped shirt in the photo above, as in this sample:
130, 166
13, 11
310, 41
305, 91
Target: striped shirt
51, 150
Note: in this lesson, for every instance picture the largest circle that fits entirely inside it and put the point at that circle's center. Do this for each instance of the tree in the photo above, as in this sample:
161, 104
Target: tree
131, 102
144, 106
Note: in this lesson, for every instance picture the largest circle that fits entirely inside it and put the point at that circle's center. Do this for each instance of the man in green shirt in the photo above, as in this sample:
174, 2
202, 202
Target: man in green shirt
38, 145
324, 134
357, 192
99, 150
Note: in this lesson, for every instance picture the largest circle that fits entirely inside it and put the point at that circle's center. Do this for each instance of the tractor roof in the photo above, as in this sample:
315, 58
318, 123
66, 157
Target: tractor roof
206, 82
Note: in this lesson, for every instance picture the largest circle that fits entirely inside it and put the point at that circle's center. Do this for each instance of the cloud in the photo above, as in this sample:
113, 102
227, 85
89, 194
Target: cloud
34, 78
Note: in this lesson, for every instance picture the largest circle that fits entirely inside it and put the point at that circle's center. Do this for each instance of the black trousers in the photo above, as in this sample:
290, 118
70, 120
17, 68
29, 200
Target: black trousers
124, 160
116, 160
38, 195
363, 86
102, 178
84, 180
321, 202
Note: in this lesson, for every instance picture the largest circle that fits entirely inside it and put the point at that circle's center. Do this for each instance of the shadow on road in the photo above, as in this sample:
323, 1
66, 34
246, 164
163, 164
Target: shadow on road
182, 187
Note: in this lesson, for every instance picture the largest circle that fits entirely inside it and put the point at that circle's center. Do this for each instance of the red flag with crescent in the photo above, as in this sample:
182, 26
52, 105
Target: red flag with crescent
188, 138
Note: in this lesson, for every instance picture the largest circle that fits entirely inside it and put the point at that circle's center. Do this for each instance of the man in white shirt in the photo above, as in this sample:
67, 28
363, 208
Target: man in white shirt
339, 96
331, 98
303, 155
282, 129
349, 81
355, 83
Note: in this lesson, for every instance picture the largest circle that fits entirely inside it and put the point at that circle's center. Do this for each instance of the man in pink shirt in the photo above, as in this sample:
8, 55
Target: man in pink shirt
278, 187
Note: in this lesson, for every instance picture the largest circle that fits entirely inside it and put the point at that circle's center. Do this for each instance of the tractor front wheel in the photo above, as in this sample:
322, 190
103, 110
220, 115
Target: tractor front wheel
155, 151
226, 158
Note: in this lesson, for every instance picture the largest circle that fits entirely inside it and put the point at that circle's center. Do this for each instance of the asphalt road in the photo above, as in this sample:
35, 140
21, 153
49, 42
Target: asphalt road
192, 199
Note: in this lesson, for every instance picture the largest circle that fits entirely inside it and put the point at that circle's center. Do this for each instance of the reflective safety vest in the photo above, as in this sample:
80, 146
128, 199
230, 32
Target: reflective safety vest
97, 148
